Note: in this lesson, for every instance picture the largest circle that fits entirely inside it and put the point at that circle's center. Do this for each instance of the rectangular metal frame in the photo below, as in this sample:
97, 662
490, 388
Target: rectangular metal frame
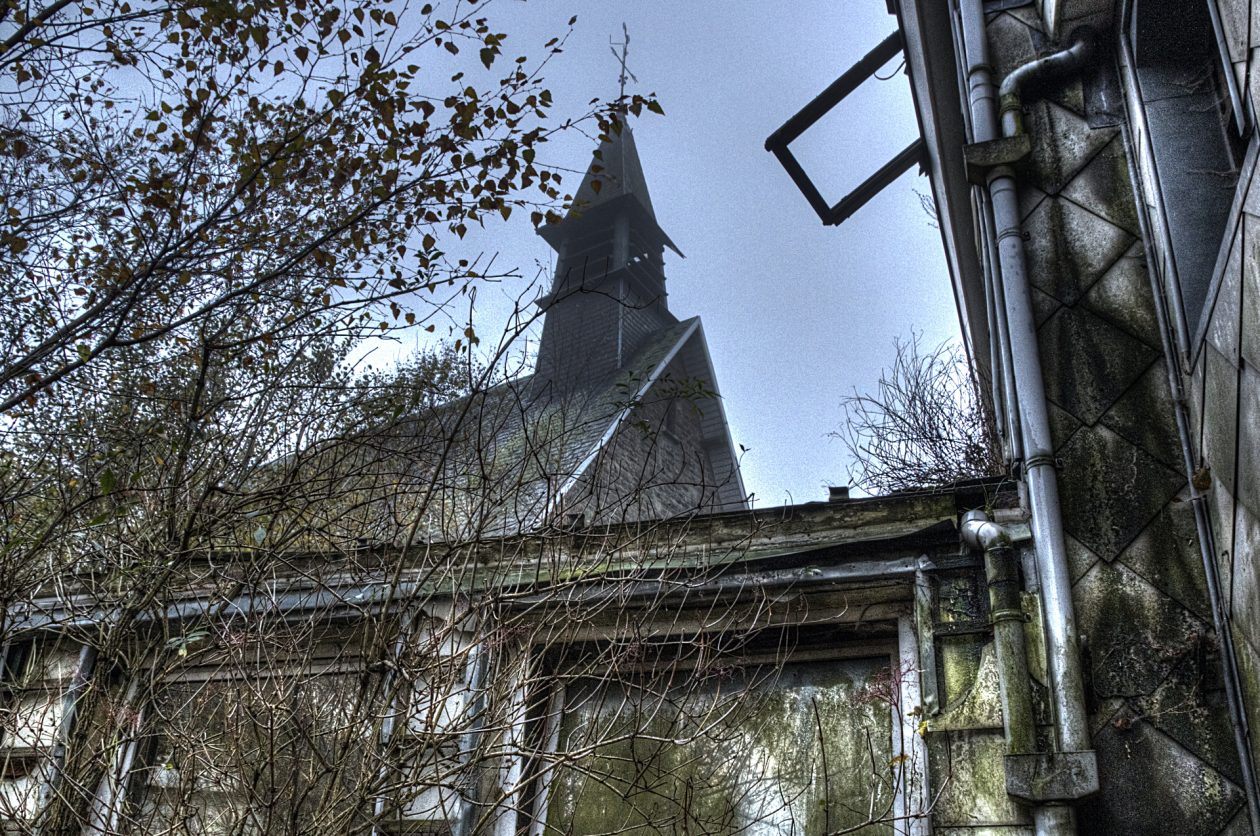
777, 143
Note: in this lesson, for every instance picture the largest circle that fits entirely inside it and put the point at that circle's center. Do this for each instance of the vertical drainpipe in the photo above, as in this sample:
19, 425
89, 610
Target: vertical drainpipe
1063, 655
1001, 338
1001, 571
996, 355
1067, 682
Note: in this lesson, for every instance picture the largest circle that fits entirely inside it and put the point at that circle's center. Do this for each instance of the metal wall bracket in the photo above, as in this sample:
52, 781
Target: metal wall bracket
1060, 776
778, 142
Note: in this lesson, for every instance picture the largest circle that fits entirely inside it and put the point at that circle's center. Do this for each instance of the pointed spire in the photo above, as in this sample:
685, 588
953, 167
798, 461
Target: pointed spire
615, 167
613, 185
608, 294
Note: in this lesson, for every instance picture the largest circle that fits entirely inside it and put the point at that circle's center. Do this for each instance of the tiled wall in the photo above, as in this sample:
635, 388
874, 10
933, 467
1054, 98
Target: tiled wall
1165, 750
1224, 391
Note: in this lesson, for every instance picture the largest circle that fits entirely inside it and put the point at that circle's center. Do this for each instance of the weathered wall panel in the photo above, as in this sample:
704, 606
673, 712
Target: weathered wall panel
1165, 750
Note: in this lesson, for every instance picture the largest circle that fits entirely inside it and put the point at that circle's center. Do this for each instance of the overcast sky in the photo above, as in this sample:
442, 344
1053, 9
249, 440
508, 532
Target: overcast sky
796, 314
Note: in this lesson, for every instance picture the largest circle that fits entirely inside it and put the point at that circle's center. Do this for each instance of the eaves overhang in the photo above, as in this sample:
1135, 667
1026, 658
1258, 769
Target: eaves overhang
935, 69
819, 545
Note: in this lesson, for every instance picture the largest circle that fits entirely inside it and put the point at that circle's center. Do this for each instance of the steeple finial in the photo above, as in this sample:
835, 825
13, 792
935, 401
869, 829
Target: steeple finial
621, 59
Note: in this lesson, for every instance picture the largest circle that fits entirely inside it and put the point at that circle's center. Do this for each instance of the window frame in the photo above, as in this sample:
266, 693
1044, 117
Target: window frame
1189, 328
901, 651
778, 142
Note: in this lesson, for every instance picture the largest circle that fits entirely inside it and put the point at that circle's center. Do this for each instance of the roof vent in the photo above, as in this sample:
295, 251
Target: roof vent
838, 494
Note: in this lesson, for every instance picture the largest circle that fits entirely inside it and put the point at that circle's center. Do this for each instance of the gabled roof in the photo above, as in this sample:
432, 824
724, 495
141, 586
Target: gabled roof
511, 459
536, 444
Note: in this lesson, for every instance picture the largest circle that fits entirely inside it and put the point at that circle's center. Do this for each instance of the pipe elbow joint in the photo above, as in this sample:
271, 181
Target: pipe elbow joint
1082, 48
979, 532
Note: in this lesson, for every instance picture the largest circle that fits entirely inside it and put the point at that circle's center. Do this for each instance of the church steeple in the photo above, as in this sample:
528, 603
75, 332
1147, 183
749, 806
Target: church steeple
608, 294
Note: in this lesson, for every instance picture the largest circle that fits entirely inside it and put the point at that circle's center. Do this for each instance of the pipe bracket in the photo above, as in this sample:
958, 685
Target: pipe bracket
1058, 776
1009, 615
982, 157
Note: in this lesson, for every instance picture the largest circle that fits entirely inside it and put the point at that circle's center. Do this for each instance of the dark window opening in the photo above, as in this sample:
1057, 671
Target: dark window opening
1195, 136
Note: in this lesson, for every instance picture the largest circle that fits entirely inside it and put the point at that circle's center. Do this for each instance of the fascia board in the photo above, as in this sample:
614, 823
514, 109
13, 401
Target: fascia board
934, 83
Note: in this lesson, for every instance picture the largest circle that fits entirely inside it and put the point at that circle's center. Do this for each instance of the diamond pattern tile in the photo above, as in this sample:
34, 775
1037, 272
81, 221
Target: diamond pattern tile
1123, 296
1011, 41
1080, 559
1235, 22
1063, 143
1089, 363
1220, 420
1030, 198
1144, 415
1221, 505
1136, 635
1176, 709
1103, 187
1223, 326
1062, 424
1240, 825
1245, 586
1111, 490
1249, 673
1044, 306
1249, 439
1069, 248
1166, 555
1250, 347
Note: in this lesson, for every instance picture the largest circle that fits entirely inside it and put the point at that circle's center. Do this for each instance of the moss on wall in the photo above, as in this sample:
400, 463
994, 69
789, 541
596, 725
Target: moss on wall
806, 749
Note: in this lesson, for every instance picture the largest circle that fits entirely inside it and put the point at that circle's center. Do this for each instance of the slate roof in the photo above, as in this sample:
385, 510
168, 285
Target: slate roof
616, 167
506, 460
537, 445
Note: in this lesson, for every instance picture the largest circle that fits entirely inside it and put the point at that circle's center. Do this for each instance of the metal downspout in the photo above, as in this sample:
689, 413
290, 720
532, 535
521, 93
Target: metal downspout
1203, 527
1001, 571
1063, 655
1015, 442
996, 356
